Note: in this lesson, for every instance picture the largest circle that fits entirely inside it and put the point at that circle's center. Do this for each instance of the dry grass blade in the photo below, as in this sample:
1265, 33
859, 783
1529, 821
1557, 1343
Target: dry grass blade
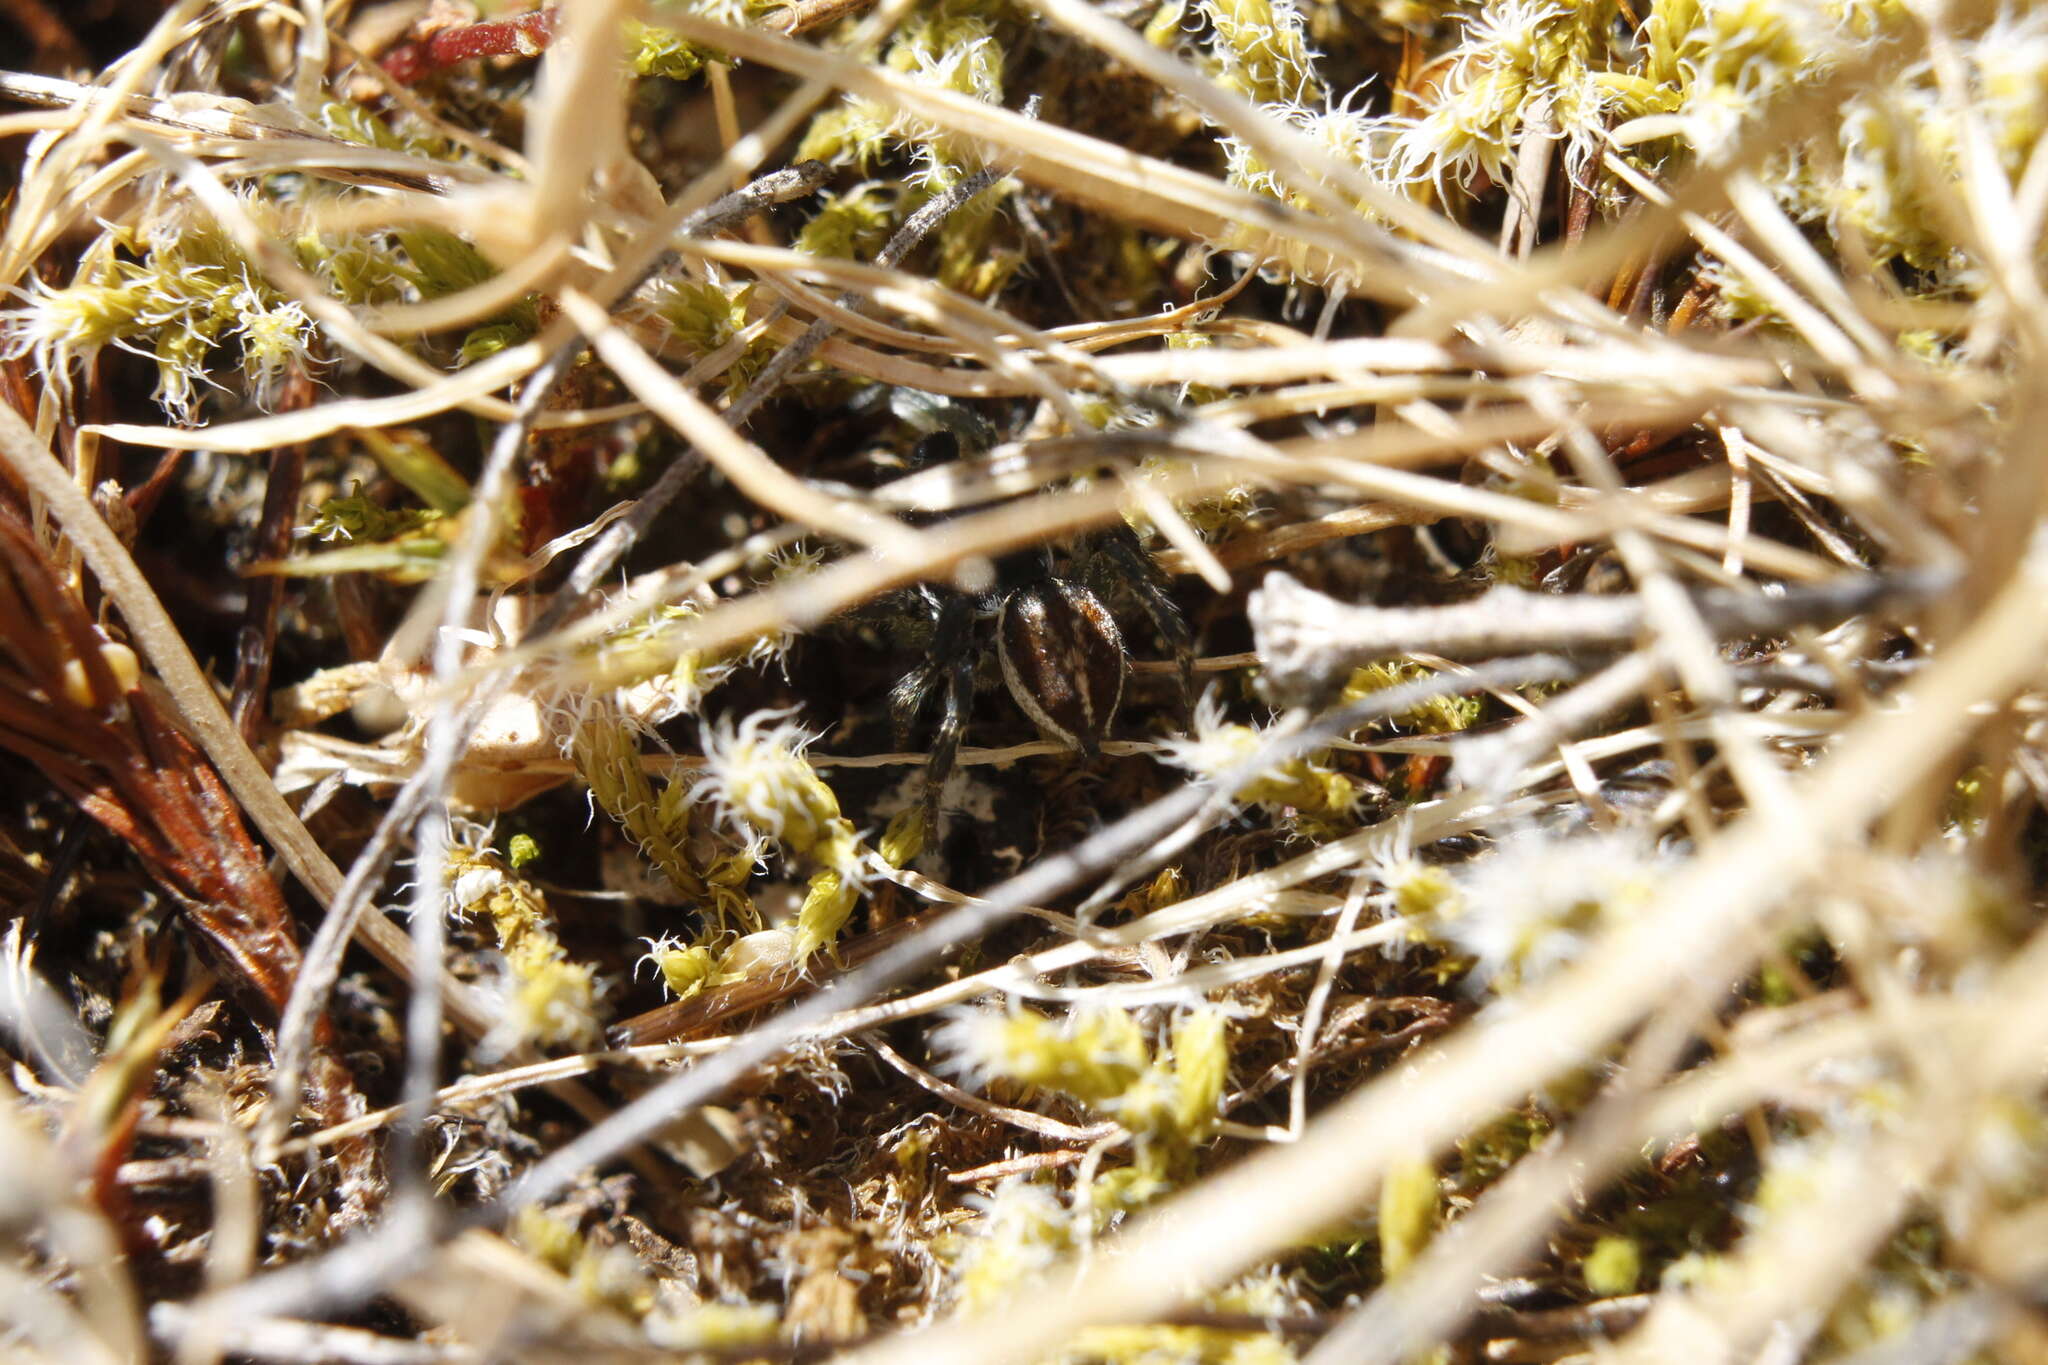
747, 500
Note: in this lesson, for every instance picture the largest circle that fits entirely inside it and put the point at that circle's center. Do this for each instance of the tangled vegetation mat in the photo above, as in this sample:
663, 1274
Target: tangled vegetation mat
1023, 680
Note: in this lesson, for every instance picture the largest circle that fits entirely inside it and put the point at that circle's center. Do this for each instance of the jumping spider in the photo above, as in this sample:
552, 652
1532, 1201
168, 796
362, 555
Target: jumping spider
1057, 642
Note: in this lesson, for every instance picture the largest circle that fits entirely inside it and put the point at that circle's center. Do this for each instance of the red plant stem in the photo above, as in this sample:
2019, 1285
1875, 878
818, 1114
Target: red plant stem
527, 35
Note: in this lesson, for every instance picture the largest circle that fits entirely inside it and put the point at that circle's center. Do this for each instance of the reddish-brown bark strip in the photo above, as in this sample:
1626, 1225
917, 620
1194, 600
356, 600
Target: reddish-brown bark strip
526, 35
113, 751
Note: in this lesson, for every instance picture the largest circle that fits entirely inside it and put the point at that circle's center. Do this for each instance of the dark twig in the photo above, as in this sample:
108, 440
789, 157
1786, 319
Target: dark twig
1096, 856
359, 1268
602, 557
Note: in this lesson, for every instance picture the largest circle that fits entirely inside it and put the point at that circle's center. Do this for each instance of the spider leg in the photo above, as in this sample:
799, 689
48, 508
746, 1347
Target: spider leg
1120, 546
907, 699
953, 658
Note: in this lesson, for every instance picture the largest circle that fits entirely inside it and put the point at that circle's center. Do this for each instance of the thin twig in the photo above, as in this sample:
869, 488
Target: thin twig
1704, 921
1310, 642
348, 901
1002, 1113
361, 1266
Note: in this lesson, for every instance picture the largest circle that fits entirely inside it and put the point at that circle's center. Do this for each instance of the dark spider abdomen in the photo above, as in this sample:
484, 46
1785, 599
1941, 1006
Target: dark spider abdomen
1063, 660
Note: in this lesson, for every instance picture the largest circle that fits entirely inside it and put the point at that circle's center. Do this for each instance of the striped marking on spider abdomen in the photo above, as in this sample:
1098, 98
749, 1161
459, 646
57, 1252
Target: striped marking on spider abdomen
1063, 659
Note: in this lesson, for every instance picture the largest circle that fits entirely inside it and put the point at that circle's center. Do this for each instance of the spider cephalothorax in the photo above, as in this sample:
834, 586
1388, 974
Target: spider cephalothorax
1056, 641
